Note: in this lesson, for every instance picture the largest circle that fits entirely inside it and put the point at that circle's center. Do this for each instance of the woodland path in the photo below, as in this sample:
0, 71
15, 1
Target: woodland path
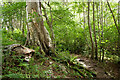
102, 70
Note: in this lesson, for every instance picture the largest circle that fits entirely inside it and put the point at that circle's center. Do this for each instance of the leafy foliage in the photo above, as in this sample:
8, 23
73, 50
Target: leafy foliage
70, 27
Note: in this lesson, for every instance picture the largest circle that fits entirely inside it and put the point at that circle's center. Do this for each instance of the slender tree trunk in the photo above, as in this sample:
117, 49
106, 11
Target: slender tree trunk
96, 50
79, 14
102, 47
102, 33
23, 26
20, 19
9, 25
119, 29
113, 17
106, 12
100, 37
12, 28
28, 25
84, 18
84, 14
51, 28
98, 21
50, 22
23, 32
90, 31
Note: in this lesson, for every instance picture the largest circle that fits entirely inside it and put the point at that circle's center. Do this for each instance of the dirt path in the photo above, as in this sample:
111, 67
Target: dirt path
102, 70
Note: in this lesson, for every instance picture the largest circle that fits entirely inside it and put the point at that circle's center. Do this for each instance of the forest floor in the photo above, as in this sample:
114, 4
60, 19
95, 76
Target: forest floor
54, 69
104, 69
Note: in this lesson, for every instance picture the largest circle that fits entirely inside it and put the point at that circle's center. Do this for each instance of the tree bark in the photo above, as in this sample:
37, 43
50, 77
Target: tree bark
96, 50
99, 24
90, 31
98, 20
119, 29
27, 25
102, 36
49, 24
84, 14
42, 35
23, 26
20, 19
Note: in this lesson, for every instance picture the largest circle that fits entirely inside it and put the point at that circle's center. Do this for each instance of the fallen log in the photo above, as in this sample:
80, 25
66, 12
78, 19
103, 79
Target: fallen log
19, 50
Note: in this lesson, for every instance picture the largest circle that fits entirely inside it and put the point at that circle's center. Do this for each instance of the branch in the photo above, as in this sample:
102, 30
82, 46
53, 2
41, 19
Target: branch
50, 12
113, 16
45, 14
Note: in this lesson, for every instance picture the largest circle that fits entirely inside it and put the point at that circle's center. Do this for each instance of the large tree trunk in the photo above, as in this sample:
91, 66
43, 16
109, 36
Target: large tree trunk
42, 37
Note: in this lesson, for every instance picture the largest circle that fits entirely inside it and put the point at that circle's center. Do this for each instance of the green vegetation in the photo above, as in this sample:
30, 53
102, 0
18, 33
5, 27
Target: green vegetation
73, 39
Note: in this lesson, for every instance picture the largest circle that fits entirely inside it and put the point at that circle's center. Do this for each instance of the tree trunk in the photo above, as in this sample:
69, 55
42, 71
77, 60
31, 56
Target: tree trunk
119, 29
102, 47
49, 23
27, 26
23, 32
90, 32
106, 16
20, 19
96, 51
85, 22
99, 24
84, 14
103, 36
42, 35
12, 28
98, 21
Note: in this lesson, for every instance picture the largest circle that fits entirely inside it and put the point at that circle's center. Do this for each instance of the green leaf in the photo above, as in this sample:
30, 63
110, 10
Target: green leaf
23, 64
103, 42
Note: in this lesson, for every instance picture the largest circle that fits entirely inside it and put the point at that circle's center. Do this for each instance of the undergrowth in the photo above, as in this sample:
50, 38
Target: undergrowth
40, 66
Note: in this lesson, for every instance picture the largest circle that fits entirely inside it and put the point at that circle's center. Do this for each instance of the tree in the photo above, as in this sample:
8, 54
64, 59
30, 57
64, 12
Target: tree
42, 37
96, 50
102, 46
84, 14
119, 29
49, 23
98, 21
90, 31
